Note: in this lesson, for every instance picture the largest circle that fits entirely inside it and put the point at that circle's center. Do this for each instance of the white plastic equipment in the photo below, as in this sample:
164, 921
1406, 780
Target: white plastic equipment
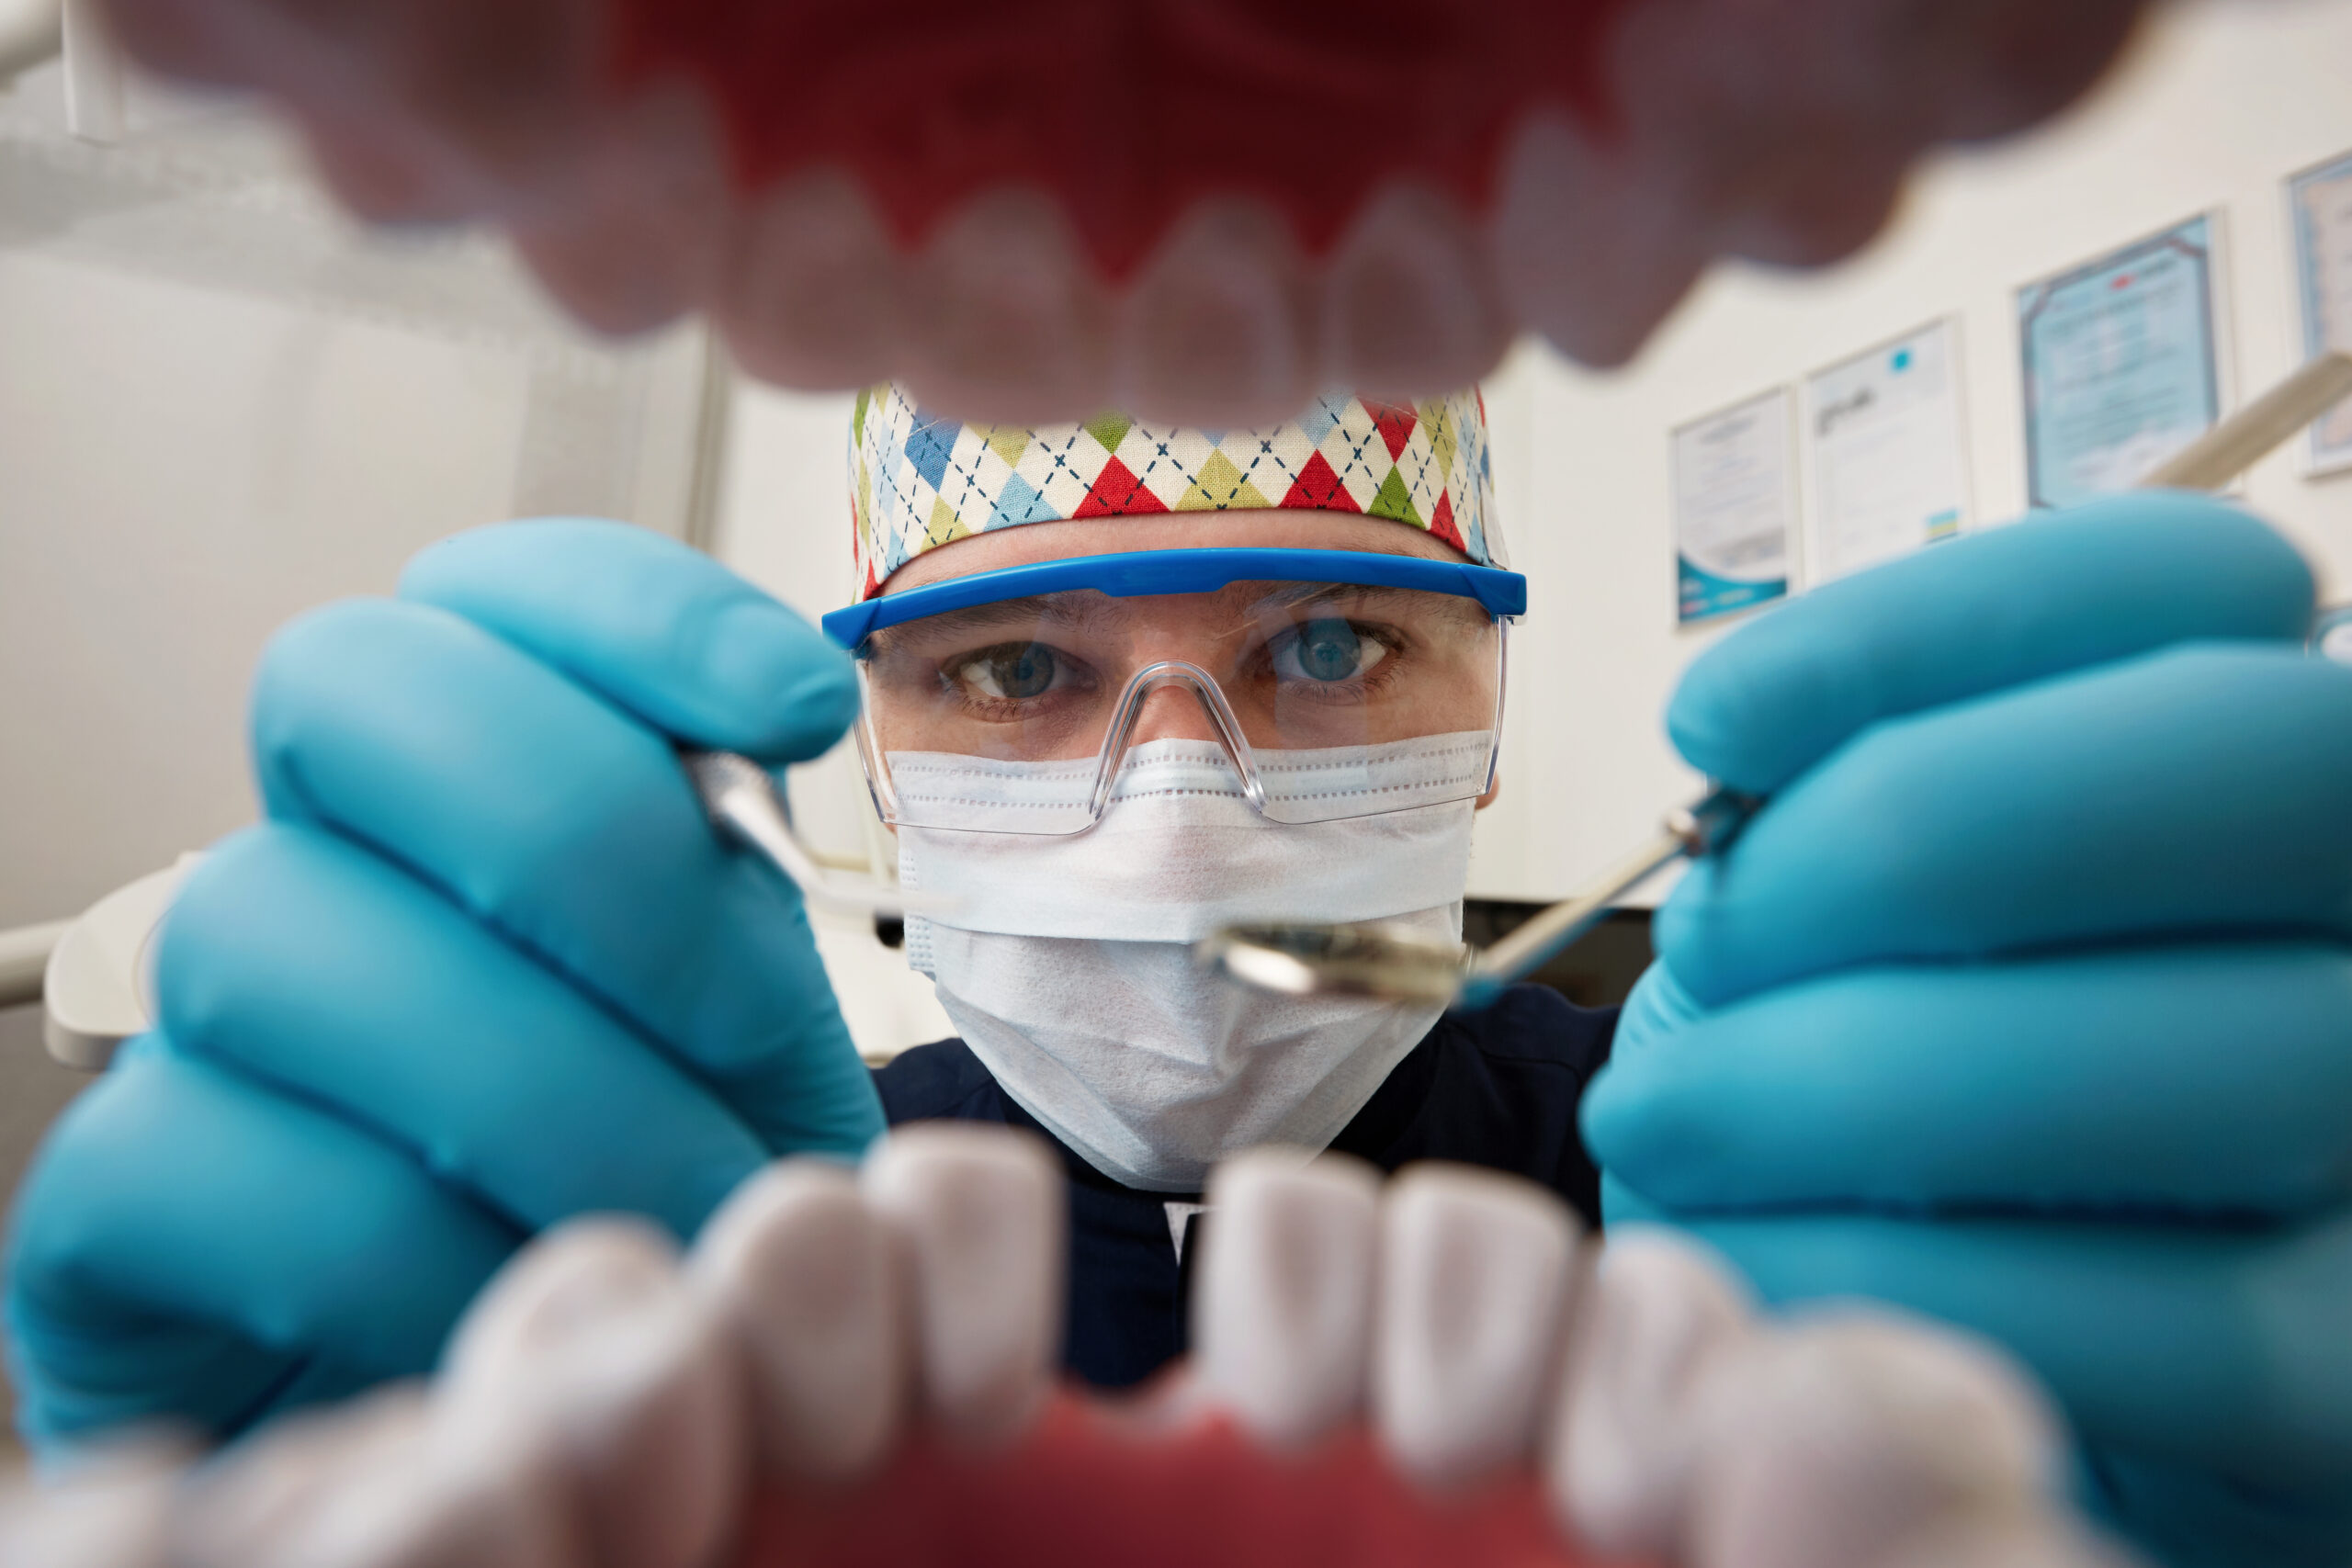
31, 32
99, 989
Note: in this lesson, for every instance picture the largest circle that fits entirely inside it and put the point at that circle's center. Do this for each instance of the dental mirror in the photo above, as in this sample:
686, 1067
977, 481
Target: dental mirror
742, 800
1374, 960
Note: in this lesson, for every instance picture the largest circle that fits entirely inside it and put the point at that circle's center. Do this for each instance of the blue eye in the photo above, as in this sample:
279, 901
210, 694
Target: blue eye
1328, 651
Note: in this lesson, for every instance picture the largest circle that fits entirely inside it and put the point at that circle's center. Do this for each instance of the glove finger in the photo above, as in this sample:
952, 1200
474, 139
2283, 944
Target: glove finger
654, 628
2070, 1082
566, 826
2217, 1347
2198, 790
307, 964
2107, 581
190, 1246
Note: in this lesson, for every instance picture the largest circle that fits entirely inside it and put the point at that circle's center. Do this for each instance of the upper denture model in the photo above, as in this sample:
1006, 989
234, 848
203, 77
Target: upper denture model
1199, 210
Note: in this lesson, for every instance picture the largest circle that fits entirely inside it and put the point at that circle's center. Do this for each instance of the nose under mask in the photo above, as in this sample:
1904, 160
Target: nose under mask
1066, 963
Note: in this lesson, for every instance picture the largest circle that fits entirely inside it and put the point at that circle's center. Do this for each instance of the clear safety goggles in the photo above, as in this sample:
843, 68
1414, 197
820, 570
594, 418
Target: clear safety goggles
1326, 685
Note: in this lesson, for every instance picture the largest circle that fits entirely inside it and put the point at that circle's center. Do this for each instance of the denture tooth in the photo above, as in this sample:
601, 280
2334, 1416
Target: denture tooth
388, 168
376, 1483
637, 234
806, 1273
114, 1510
979, 1217
810, 297
591, 1347
513, 84
290, 1489
1475, 1279
2027, 1540
1834, 1442
1593, 245
1410, 300
1216, 329
1007, 322
1283, 1312
1653, 1325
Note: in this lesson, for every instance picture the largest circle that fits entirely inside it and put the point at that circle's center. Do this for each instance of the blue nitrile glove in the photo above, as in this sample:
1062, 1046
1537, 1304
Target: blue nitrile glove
484, 966
2027, 1001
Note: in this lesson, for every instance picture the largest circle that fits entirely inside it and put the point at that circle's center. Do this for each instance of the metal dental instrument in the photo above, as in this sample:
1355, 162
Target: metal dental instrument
742, 800
1371, 959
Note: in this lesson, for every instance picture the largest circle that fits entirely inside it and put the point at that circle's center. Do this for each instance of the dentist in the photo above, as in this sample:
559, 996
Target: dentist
2026, 1001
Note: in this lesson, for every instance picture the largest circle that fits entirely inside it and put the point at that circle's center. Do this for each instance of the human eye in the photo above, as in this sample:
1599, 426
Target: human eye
1011, 674
1327, 651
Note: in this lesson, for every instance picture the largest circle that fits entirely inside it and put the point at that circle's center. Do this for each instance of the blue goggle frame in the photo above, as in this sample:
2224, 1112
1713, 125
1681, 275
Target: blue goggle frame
1146, 572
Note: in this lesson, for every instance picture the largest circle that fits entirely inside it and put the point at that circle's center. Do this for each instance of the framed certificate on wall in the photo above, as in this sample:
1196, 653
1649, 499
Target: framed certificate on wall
1885, 470
2122, 362
2319, 203
1734, 507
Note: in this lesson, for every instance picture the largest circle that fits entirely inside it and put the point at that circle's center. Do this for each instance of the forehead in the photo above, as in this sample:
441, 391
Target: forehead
1035, 542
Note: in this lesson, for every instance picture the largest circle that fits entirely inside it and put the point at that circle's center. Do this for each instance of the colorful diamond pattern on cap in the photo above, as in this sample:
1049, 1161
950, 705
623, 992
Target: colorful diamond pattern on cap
919, 481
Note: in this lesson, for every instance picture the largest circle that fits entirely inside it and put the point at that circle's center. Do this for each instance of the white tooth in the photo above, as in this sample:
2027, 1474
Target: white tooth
290, 1491
437, 1511
1653, 1325
374, 1484
114, 1510
811, 294
1215, 327
1410, 302
635, 236
1282, 1313
1008, 323
980, 1218
517, 91
1832, 1442
387, 168
806, 1273
2026, 1539
590, 1345
1593, 245
1474, 1275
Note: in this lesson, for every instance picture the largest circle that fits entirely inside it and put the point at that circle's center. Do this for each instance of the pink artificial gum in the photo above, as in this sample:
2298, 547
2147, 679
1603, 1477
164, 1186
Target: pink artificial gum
1089, 1487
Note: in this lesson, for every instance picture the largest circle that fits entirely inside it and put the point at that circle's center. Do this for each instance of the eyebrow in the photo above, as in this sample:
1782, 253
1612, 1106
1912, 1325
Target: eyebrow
1298, 593
1080, 607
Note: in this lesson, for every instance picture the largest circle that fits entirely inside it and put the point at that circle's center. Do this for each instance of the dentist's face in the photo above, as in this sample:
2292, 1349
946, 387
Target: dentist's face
1186, 624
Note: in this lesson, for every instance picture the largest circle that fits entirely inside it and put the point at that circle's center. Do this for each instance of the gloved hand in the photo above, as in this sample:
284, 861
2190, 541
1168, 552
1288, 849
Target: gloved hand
2026, 1001
484, 966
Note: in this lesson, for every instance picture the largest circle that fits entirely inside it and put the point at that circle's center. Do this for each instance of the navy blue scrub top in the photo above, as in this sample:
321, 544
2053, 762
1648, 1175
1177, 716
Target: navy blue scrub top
1497, 1089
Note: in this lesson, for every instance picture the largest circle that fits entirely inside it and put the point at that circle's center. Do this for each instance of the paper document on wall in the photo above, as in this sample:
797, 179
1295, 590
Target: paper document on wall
2121, 365
2322, 203
1883, 447
1735, 502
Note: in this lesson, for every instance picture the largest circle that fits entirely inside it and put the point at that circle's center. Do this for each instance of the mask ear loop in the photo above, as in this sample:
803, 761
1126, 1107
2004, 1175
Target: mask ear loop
1149, 679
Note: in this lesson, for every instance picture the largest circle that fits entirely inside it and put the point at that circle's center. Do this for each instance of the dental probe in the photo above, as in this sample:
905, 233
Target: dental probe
740, 800
1367, 959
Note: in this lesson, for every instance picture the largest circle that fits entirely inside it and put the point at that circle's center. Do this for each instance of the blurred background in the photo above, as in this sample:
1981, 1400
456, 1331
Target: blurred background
221, 404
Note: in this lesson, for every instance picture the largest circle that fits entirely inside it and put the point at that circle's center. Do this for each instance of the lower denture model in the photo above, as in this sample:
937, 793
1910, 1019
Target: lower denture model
1200, 213
857, 1370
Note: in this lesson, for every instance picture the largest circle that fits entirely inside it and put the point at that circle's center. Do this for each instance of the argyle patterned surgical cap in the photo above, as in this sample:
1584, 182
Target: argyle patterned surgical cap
919, 481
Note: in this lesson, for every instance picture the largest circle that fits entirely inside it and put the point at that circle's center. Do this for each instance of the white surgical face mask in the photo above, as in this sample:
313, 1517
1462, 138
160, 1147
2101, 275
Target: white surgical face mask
1066, 962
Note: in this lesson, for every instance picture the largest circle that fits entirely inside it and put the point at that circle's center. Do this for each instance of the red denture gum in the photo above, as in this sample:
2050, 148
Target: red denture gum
1088, 1488
1126, 112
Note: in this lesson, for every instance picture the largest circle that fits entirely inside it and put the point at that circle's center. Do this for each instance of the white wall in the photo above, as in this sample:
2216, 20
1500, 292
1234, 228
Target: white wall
185, 470
2220, 104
